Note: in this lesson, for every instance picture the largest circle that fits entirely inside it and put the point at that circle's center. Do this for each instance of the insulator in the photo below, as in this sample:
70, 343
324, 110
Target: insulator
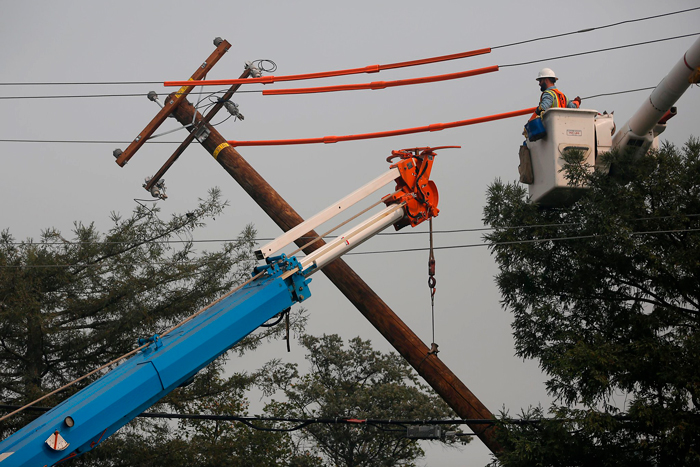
254, 71
158, 189
232, 108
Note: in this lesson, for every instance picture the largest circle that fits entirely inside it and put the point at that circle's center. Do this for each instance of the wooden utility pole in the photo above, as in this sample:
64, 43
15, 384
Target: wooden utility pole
399, 335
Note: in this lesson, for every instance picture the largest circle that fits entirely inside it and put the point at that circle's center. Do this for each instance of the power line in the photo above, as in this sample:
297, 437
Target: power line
595, 28
267, 239
79, 83
108, 83
150, 141
340, 420
599, 50
619, 92
77, 96
402, 250
518, 242
140, 94
81, 141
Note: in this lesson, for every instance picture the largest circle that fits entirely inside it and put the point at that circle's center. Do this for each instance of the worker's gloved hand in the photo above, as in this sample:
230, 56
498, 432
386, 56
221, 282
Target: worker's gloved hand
577, 101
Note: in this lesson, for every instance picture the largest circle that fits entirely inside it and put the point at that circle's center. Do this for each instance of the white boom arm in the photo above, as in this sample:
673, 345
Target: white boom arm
636, 132
332, 210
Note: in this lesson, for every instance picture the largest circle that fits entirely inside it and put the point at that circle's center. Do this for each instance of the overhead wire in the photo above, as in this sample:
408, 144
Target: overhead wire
258, 91
553, 36
619, 92
377, 68
139, 94
329, 74
607, 49
518, 242
402, 250
73, 141
393, 234
376, 85
271, 70
78, 83
342, 420
79, 141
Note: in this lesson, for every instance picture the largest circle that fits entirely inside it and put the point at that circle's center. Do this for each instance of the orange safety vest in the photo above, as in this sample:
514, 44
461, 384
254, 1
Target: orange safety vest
558, 100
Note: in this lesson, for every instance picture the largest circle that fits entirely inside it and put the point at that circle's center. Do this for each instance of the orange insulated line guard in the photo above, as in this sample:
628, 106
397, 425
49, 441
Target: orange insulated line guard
328, 74
384, 134
381, 84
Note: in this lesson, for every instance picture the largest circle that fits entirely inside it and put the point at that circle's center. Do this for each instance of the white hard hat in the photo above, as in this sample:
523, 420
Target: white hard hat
546, 73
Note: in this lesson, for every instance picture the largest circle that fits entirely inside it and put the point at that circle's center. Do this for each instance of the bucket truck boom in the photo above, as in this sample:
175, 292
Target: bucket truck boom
641, 129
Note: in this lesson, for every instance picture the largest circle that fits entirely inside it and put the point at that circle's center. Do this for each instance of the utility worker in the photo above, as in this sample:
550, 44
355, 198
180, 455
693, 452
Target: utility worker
551, 96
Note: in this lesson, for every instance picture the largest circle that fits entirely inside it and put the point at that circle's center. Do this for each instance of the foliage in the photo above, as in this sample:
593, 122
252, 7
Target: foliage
605, 295
201, 442
353, 382
69, 306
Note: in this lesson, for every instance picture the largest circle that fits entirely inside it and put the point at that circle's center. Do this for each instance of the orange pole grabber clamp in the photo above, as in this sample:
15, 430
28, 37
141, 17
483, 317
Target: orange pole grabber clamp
414, 187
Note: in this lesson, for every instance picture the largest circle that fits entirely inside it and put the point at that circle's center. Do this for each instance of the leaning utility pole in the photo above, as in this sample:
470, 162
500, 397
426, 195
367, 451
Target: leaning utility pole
399, 335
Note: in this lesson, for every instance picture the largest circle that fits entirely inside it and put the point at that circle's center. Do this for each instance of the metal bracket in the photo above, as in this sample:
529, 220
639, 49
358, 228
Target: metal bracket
155, 338
202, 133
290, 269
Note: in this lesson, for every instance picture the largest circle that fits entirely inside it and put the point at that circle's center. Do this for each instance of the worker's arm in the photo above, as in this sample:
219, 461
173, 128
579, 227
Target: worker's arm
546, 102
574, 104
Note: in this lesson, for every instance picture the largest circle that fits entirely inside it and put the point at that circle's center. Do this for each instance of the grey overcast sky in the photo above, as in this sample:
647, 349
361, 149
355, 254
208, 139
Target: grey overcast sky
54, 184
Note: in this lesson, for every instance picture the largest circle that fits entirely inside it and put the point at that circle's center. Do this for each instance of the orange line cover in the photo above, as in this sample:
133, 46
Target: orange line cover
384, 134
327, 74
381, 84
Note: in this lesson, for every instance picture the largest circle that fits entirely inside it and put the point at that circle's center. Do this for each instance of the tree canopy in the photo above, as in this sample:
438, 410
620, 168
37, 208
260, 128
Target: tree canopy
353, 382
69, 305
605, 295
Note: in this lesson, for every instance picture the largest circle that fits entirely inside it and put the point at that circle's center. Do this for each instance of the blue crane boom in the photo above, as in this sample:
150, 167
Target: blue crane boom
84, 420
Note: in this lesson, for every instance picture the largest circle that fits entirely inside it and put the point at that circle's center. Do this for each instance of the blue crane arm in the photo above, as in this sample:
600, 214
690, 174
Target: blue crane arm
84, 420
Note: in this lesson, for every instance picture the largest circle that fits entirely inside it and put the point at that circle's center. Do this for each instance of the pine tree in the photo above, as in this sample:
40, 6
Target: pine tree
68, 306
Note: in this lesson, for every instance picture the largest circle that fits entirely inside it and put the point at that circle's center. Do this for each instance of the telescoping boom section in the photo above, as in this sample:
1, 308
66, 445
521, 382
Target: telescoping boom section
83, 421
